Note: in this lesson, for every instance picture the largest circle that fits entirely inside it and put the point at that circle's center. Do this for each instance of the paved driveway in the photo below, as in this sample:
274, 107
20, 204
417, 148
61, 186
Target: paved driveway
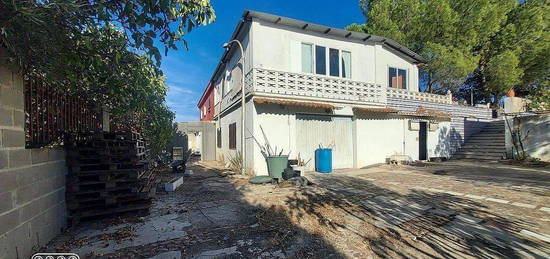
446, 210
457, 208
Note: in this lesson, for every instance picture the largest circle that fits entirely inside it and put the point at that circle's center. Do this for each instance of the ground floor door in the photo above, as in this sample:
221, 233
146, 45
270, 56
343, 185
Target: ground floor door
336, 132
423, 141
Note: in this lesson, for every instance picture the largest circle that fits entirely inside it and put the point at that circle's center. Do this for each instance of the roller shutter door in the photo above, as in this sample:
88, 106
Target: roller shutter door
334, 131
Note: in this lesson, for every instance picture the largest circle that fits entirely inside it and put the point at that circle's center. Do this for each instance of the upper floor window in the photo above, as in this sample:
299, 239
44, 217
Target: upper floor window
228, 82
334, 62
307, 58
314, 59
397, 78
320, 60
346, 64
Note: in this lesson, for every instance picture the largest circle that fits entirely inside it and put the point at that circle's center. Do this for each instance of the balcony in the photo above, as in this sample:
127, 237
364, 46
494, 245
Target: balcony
315, 86
418, 96
324, 88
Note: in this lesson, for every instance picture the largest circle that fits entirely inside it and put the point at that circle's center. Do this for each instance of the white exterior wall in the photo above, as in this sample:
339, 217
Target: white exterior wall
224, 101
272, 49
234, 116
439, 141
233, 67
379, 137
385, 58
279, 125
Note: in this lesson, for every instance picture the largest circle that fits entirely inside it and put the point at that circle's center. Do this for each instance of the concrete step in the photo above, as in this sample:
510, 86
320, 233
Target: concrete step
487, 146
482, 149
488, 134
499, 131
481, 137
477, 157
500, 127
480, 153
485, 141
485, 149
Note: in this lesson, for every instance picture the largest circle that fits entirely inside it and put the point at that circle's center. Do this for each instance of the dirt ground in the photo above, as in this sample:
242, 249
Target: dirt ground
449, 209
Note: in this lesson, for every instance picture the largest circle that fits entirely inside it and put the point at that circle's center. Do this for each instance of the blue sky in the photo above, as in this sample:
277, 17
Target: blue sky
188, 71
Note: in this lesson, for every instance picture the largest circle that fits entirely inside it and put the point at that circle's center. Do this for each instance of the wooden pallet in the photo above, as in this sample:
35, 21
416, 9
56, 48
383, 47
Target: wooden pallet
114, 175
107, 174
77, 187
98, 203
135, 208
105, 159
105, 167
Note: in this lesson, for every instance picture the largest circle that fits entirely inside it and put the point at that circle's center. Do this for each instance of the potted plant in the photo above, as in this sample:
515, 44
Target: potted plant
301, 165
277, 162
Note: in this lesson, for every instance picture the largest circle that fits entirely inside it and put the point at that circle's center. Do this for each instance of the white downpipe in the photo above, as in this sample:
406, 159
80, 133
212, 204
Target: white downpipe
243, 148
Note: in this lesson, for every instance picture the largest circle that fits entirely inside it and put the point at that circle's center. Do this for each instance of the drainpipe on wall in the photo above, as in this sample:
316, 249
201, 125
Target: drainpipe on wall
243, 96
404, 135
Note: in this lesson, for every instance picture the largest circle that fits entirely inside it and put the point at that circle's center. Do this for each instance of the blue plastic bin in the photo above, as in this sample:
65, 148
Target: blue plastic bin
323, 160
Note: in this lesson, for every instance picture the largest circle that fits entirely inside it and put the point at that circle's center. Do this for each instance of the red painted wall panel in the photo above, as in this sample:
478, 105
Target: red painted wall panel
206, 108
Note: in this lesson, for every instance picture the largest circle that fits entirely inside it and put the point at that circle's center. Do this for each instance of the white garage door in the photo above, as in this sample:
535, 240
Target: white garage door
325, 130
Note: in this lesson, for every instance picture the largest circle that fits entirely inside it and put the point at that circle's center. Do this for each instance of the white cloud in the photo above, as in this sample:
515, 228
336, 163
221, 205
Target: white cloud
176, 89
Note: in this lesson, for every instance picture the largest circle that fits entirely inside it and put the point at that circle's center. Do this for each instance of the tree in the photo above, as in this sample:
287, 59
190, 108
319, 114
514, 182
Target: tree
468, 40
103, 50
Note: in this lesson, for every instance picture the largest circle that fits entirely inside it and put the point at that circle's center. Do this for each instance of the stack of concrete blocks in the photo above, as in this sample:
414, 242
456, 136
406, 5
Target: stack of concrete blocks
32, 181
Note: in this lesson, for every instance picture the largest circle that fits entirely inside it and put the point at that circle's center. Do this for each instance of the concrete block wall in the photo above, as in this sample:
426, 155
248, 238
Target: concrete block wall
32, 181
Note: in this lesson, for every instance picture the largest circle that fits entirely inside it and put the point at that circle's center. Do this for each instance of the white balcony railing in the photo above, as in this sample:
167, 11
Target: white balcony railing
316, 86
260, 80
419, 96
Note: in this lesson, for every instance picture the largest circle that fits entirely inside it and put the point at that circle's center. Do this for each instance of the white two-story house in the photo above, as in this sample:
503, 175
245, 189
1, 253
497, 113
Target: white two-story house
309, 85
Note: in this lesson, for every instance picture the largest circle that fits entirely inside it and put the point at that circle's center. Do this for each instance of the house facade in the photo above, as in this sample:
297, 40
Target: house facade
206, 104
310, 86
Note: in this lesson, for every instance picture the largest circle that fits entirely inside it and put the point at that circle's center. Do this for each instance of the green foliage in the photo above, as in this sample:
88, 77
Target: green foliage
61, 20
236, 162
540, 97
103, 50
503, 72
448, 66
494, 45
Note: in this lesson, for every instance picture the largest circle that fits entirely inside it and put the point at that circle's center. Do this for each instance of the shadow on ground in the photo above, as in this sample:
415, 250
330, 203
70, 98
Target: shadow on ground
416, 224
536, 180
217, 216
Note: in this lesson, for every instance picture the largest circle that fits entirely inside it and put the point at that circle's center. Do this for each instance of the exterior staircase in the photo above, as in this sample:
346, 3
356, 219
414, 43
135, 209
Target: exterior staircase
488, 144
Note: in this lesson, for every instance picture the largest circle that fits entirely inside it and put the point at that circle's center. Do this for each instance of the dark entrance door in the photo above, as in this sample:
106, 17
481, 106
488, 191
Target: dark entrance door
423, 141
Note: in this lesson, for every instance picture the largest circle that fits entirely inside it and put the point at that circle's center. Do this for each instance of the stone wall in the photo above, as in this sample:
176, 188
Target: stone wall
32, 181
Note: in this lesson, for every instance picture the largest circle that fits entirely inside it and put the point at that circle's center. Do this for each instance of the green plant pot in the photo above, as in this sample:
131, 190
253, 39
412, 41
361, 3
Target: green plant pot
276, 165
